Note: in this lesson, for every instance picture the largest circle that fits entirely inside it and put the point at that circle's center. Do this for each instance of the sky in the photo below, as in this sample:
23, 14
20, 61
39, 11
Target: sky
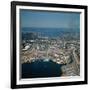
45, 19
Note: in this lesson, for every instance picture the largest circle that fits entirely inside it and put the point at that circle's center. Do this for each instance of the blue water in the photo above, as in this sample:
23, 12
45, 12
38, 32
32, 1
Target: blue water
41, 68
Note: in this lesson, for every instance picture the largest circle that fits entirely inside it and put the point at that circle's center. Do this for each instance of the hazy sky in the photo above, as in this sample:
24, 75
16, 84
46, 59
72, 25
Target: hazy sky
49, 19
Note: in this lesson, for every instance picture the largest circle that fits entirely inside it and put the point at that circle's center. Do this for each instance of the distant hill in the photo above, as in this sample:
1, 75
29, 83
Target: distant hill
33, 33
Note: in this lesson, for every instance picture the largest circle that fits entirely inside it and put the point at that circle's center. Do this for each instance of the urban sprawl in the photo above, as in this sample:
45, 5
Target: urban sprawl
59, 50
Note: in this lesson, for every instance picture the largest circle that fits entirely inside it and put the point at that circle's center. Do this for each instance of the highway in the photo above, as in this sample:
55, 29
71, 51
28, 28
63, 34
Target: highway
76, 61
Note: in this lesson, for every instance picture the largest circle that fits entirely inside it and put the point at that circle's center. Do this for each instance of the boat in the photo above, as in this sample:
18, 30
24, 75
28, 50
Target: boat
46, 60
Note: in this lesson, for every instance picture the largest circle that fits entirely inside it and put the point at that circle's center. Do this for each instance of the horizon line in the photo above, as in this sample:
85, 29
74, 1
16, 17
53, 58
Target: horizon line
50, 27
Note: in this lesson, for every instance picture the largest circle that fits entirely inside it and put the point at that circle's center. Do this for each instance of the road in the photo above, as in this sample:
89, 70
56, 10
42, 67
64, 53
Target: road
76, 61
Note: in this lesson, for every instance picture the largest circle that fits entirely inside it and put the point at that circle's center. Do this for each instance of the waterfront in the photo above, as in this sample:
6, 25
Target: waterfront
41, 68
37, 49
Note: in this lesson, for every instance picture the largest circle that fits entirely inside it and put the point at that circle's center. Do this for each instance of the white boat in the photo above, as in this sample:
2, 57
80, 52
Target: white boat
46, 60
